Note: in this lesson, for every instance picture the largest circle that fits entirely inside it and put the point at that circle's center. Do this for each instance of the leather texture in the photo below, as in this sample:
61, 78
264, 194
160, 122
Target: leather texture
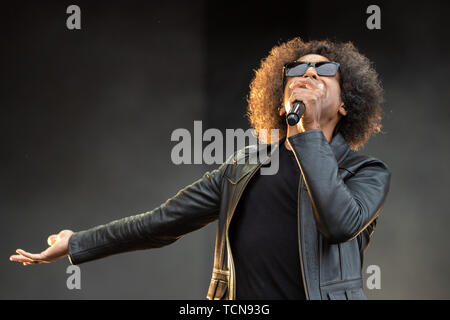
341, 194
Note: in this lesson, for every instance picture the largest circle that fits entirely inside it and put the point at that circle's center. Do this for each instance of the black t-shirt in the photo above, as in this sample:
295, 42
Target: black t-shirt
263, 235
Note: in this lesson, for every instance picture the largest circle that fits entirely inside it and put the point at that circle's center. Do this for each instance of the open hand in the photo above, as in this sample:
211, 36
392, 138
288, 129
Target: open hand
58, 248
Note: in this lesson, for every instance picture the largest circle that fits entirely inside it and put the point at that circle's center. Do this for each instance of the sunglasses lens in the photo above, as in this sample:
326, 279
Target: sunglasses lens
296, 69
327, 69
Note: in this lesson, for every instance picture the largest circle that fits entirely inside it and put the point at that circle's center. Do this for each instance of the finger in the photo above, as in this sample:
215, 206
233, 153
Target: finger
27, 261
32, 256
309, 83
304, 96
19, 258
305, 89
300, 82
297, 84
297, 94
303, 93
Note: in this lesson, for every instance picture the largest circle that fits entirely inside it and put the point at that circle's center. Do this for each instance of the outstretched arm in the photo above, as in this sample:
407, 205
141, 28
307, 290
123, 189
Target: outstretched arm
190, 209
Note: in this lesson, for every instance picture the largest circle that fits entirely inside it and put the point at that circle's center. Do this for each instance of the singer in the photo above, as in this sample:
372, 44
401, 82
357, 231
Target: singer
298, 234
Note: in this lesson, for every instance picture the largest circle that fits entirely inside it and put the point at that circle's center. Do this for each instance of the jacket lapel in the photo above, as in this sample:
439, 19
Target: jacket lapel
239, 170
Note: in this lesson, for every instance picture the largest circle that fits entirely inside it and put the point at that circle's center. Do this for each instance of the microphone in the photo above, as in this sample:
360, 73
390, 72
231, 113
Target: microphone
296, 112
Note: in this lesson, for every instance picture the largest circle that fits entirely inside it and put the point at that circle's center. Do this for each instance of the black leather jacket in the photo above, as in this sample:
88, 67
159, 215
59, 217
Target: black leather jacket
340, 195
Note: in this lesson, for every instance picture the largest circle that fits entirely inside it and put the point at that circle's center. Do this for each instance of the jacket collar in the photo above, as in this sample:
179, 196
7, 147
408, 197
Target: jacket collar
340, 147
338, 144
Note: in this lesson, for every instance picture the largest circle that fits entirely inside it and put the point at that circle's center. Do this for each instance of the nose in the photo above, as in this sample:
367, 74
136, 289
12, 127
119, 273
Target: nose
311, 73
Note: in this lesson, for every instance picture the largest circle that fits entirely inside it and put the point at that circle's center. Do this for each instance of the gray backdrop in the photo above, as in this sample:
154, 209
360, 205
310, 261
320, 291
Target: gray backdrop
85, 131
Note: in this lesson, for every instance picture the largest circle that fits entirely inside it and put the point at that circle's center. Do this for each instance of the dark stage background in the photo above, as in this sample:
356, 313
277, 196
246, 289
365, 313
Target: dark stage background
86, 135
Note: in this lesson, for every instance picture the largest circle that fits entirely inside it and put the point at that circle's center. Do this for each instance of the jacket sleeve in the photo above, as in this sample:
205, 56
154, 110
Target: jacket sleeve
190, 209
341, 210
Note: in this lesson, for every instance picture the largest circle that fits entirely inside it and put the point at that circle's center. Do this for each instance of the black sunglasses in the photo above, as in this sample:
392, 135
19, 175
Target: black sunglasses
298, 68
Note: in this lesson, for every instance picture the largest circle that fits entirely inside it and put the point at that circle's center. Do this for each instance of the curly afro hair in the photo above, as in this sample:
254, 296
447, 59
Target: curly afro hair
361, 89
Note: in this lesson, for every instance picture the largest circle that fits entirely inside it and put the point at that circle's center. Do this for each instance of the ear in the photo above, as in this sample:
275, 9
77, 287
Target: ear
342, 109
281, 110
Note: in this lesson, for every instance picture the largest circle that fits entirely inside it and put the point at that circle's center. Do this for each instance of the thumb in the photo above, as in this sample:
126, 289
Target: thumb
52, 239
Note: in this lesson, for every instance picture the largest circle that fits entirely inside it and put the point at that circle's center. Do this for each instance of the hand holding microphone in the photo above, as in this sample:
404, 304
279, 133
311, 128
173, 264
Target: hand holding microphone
305, 97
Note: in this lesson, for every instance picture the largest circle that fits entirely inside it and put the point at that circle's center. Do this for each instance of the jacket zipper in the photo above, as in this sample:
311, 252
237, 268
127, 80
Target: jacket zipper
229, 254
299, 225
